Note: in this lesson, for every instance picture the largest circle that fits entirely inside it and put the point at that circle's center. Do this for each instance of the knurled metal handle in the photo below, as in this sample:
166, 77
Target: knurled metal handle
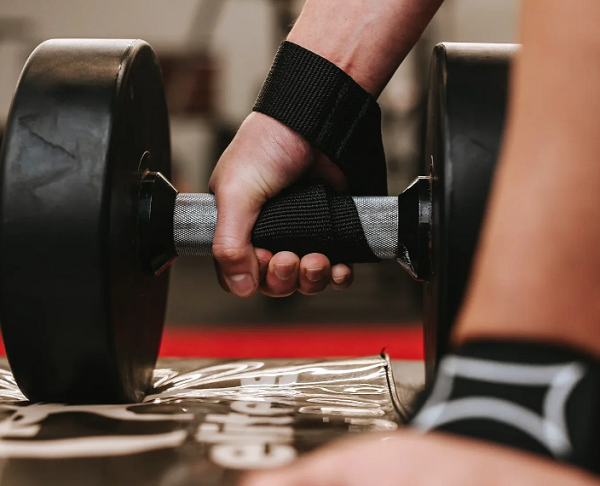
195, 219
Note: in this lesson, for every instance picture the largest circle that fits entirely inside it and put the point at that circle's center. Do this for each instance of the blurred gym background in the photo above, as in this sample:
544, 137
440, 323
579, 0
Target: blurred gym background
215, 55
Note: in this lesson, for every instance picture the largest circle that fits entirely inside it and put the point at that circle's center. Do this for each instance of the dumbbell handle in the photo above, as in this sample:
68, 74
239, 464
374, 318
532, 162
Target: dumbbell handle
195, 219
306, 220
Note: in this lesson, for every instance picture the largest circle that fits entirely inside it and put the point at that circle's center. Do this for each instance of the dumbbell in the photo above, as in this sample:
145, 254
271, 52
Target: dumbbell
89, 221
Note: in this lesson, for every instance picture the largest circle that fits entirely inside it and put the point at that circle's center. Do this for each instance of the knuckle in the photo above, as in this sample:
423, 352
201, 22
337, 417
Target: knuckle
228, 253
213, 182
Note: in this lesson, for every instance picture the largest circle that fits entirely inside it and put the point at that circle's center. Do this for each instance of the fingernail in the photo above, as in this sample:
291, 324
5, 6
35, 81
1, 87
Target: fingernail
284, 270
339, 280
314, 274
241, 285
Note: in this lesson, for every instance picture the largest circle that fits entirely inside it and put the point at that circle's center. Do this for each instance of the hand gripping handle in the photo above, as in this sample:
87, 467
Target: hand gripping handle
310, 219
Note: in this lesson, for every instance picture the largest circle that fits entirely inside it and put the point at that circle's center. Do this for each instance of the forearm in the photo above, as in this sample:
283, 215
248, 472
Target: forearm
368, 39
538, 270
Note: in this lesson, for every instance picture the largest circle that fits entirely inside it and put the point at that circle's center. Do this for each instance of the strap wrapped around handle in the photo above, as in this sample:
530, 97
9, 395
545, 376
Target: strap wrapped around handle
313, 219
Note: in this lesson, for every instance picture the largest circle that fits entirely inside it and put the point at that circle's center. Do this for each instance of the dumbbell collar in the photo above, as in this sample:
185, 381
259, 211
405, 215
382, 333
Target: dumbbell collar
414, 228
155, 218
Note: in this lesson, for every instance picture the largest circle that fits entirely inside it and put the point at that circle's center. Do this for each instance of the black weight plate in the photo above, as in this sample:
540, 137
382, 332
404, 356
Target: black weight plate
466, 112
81, 321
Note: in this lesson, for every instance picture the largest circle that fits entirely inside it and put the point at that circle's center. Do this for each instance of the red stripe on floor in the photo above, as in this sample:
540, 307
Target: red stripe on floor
400, 342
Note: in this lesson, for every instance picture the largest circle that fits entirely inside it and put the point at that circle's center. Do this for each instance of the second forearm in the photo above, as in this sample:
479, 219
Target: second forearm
368, 39
538, 267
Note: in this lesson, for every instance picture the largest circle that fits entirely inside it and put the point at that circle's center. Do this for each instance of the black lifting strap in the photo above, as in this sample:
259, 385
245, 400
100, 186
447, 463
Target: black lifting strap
336, 115
313, 219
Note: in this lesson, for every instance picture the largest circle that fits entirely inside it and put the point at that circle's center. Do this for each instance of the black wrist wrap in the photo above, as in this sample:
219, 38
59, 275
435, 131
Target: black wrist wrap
321, 102
537, 397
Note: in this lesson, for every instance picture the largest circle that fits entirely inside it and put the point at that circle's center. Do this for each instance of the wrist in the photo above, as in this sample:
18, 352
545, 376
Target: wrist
352, 63
356, 61
316, 98
368, 39
286, 140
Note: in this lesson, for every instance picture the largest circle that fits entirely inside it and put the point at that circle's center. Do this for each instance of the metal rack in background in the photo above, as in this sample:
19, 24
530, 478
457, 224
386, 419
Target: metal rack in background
189, 75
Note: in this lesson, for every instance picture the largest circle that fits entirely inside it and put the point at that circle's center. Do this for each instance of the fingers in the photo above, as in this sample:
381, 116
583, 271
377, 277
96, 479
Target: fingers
341, 276
264, 158
280, 478
281, 278
327, 466
405, 459
284, 273
310, 275
264, 257
315, 272
232, 249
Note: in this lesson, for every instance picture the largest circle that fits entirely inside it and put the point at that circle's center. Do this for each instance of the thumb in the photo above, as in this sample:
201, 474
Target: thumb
232, 247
